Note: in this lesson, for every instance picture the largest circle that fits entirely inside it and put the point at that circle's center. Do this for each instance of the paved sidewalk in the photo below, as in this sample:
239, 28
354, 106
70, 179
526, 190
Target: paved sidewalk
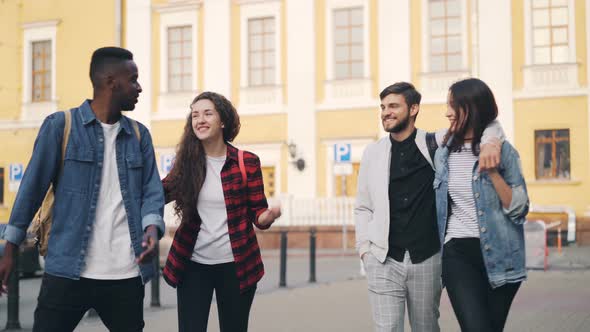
548, 301
555, 300
332, 266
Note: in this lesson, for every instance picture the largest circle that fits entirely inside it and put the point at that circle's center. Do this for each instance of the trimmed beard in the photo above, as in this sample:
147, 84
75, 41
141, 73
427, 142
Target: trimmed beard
401, 126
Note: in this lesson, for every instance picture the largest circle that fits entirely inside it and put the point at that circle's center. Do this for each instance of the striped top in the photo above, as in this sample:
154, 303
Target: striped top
463, 214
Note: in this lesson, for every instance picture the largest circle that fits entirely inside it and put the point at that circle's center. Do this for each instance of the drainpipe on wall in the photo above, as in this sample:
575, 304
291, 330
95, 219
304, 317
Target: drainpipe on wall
474, 22
571, 216
118, 22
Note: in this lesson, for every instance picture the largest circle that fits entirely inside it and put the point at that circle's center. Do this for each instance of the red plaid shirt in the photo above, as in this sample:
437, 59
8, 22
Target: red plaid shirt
243, 205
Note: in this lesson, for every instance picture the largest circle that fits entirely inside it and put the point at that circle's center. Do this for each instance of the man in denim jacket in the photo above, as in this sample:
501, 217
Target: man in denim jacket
107, 215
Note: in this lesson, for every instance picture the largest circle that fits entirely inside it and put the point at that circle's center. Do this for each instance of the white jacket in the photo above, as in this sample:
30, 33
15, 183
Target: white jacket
371, 210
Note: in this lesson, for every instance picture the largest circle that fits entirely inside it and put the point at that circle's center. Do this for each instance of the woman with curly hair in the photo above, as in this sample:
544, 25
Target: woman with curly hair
219, 196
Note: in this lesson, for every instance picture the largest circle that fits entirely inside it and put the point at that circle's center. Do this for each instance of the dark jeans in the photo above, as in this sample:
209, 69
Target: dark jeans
477, 306
63, 302
195, 294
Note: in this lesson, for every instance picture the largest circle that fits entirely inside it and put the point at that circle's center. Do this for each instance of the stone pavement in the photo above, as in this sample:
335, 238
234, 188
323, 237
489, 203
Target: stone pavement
332, 266
555, 300
548, 301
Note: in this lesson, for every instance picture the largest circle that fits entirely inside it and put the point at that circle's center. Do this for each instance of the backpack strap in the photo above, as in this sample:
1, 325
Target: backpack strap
66, 138
242, 167
41, 225
431, 145
136, 129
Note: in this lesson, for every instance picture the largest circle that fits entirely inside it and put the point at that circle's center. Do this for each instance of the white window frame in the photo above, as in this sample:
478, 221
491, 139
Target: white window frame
166, 81
333, 5
257, 11
347, 93
173, 105
267, 98
426, 38
556, 79
528, 23
434, 85
34, 32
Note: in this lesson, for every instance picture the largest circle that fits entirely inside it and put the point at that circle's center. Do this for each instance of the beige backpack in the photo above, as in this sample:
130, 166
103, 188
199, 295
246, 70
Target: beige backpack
41, 225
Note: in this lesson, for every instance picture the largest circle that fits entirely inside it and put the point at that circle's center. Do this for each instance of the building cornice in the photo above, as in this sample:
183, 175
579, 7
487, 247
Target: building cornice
249, 2
41, 24
18, 124
178, 6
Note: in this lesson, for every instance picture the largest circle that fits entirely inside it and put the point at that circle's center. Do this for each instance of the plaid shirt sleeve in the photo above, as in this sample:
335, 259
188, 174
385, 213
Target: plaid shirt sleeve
168, 192
257, 203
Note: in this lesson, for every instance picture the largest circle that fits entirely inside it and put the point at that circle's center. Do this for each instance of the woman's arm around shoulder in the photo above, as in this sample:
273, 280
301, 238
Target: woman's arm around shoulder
510, 184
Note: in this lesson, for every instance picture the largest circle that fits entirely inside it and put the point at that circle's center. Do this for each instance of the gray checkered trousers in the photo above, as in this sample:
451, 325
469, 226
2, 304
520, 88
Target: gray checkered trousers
393, 284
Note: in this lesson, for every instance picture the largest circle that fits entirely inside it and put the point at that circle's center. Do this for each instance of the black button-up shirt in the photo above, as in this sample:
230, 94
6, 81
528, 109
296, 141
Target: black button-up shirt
412, 206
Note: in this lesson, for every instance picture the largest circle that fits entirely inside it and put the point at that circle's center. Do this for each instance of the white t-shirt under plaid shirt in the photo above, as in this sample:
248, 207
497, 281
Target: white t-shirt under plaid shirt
463, 213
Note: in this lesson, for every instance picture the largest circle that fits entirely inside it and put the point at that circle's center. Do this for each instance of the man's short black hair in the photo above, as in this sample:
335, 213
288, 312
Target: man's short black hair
411, 95
104, 58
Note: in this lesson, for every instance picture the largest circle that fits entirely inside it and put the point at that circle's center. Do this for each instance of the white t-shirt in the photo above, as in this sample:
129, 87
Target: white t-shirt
213, 245
463, 217
110, 255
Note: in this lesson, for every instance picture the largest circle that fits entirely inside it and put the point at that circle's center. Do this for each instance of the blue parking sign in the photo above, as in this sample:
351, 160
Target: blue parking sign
16, 172
342, 152
166, 162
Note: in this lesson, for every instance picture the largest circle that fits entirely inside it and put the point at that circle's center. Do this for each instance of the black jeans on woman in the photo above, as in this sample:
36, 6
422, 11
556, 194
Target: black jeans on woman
477, 306
195, 294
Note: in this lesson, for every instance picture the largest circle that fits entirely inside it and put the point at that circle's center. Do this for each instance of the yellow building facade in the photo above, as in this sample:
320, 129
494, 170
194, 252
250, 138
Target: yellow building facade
305, 76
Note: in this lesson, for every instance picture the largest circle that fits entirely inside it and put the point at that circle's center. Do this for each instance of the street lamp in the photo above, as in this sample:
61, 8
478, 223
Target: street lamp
299, 163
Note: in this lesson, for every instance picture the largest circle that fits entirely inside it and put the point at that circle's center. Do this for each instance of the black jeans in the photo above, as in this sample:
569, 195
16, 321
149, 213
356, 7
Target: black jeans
195, 294
63, 302
477, 306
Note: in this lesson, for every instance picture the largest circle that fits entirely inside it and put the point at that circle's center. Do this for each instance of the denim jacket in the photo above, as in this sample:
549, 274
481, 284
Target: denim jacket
500, 229
76, 191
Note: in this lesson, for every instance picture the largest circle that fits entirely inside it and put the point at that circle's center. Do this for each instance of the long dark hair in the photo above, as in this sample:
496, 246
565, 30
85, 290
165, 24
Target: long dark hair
475, 107
188, 173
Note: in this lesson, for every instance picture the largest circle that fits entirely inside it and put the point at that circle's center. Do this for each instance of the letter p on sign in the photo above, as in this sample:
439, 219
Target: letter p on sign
341, 152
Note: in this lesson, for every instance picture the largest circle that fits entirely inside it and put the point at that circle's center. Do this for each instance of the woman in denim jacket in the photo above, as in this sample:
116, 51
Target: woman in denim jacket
480, 214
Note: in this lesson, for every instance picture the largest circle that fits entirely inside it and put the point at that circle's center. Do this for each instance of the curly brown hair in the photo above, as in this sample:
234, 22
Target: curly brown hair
188, 173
